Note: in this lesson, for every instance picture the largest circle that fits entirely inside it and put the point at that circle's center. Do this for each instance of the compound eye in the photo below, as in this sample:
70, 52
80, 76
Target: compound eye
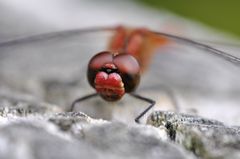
96, 63
100, 59
129, 69
126, 64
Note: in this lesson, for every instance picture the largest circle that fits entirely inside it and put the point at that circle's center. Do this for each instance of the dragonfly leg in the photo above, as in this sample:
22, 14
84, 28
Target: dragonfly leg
81, 99
150, 101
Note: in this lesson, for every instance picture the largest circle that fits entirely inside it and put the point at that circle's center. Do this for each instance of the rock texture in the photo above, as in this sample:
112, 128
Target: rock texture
75, 135
204, 137
33, 130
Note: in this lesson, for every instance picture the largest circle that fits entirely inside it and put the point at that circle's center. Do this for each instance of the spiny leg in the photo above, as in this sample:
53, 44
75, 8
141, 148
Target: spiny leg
81, 99
167, 90
150, 101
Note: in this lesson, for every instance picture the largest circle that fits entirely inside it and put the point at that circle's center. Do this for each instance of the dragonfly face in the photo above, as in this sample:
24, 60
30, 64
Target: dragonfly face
117, 71
113, 75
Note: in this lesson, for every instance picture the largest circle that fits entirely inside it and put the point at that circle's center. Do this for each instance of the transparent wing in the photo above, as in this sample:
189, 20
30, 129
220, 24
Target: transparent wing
207, 48
54, 54
203, 78
52, 68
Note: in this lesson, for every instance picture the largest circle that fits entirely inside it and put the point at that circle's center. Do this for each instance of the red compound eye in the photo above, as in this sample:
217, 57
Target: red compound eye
96, 64
129, 70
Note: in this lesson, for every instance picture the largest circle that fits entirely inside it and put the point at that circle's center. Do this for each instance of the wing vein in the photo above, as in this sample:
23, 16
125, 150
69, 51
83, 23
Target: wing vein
212, 50
46, 36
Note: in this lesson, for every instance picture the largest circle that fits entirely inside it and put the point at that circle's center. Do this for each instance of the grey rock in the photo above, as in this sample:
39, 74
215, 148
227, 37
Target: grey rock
158, 118
118, 139
204, 137
20, 105
48, 137
210, 141
37, 140
65, 121
132, 142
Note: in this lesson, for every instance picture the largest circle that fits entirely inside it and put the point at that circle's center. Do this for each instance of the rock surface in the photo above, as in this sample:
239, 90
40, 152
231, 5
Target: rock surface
33, 130
75, 135
204, 137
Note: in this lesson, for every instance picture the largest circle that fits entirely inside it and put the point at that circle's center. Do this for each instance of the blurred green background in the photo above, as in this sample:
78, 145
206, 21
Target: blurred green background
220, 14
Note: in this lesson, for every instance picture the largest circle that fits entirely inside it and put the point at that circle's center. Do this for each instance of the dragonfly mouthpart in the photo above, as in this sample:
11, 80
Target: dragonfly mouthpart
109, 86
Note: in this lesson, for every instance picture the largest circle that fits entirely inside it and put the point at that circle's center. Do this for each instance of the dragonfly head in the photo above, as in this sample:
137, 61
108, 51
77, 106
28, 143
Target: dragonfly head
113, 75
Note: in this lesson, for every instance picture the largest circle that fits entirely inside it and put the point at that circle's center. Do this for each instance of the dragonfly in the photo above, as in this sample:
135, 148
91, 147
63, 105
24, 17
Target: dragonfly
112, 71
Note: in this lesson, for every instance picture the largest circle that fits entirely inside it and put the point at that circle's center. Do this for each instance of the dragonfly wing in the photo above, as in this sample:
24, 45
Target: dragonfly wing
51, 67
200, 81
58, 54
208, 49
56, 63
